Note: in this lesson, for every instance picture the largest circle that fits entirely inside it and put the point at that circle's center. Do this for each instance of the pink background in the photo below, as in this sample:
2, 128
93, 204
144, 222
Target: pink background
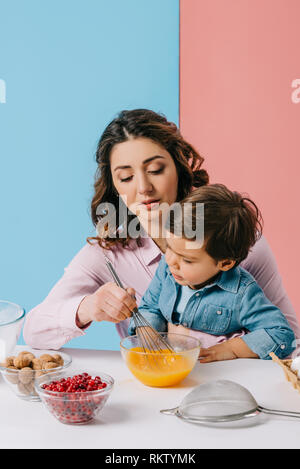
238, 59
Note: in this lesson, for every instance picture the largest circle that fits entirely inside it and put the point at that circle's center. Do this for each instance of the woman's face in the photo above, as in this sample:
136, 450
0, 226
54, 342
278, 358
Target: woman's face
145, 176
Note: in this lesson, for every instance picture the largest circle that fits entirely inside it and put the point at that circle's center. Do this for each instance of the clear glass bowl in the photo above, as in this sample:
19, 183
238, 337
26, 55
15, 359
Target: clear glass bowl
161, 369
75, 408
21, 381
11, 322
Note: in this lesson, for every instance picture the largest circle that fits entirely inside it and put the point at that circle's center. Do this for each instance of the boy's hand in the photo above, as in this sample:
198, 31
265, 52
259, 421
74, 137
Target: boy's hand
233, 348
216, 353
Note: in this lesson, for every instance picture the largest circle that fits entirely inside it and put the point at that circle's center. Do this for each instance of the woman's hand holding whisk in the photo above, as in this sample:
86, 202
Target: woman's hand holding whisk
108, 303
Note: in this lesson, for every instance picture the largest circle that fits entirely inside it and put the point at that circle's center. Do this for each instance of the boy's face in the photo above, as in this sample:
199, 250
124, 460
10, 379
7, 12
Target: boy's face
189, 263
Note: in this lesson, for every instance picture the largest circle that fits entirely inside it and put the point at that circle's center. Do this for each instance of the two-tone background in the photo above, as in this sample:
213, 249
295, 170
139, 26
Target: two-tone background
227, 72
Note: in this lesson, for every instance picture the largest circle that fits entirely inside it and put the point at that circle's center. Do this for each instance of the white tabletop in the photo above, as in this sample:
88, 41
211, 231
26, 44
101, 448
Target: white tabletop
131, 417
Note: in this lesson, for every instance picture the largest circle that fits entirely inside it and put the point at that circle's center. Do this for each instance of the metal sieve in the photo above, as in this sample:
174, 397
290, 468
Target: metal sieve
220, 401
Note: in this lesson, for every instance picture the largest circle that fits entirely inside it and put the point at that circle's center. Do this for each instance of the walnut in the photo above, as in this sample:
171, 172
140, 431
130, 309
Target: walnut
49, 365
22, 361
26, 375
58, 359
24, 352
29, 355
9, 361
12, 376
46, 358
37, 364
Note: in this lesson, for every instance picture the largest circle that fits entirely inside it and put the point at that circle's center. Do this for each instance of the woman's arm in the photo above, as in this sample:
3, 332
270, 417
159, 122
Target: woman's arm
54, 322
262, 265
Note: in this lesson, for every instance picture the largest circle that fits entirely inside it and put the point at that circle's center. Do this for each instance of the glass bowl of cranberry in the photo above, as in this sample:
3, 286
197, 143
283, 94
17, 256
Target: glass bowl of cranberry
74, 396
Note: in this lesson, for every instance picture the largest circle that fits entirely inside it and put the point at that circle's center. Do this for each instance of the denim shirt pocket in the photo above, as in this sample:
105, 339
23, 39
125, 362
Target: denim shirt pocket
215, 319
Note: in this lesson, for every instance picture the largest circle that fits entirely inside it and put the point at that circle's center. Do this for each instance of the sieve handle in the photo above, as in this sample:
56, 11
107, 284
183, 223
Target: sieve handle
169, 411
284, 413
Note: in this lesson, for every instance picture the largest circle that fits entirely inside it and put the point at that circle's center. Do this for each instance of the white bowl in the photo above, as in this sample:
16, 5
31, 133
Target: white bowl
11, 322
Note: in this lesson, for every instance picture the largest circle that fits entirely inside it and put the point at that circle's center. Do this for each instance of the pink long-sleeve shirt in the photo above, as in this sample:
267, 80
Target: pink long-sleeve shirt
52, 323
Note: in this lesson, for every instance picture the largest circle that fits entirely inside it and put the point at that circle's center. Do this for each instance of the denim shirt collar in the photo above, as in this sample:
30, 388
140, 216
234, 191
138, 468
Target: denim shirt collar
228, 281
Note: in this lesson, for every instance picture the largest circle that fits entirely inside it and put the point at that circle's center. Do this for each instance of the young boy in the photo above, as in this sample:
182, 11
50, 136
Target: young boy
200, 289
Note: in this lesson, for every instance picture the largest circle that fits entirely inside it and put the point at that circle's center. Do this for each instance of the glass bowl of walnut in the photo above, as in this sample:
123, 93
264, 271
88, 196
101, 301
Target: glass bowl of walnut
21, 369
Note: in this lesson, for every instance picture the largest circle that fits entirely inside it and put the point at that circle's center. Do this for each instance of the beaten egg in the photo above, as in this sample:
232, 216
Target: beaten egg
158, 369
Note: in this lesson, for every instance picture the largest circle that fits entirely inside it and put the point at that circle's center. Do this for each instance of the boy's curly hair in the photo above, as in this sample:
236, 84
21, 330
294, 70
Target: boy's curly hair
232, 221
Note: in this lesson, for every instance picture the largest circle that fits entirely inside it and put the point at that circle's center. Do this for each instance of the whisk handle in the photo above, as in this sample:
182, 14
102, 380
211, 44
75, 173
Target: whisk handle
116, 278
113, 273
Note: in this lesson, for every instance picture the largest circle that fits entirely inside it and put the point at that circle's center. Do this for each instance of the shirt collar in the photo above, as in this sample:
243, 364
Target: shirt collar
150, 251
230, 280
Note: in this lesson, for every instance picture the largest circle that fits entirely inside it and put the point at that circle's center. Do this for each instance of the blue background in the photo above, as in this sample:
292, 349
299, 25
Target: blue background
69, 67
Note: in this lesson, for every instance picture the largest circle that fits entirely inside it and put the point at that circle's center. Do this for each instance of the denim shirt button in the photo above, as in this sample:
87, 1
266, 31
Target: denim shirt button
219, 312
197, 294
282, 346
184, 324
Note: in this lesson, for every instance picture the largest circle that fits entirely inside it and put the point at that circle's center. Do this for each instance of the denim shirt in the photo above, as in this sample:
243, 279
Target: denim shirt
232, 302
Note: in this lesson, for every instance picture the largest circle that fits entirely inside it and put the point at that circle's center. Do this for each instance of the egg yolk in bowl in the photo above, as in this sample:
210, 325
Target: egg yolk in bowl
164, 367
158, 369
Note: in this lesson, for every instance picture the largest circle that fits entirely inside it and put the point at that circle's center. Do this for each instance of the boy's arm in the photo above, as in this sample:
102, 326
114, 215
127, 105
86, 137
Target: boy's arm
268, 329
229, 350
148, 306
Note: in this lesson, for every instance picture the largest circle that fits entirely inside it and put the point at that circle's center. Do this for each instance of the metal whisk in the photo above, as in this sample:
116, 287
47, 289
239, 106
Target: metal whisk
151, 341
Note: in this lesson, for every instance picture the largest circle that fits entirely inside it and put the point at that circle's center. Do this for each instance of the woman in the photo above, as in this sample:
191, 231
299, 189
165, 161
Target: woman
143, 164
